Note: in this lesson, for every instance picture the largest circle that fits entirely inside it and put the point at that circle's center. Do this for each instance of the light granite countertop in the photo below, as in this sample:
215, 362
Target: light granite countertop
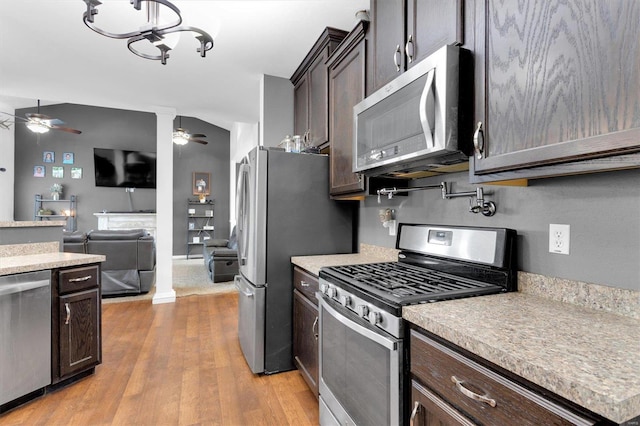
367, 254
31, 223
587, 355
40, 261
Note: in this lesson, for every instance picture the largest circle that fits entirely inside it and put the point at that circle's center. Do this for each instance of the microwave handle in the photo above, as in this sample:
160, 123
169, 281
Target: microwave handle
427, 107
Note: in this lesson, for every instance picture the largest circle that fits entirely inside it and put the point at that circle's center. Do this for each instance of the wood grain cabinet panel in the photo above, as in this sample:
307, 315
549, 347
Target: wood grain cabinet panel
346, 89
305, 326
561, 83
76, 344
310, 93
477, 393
403, 32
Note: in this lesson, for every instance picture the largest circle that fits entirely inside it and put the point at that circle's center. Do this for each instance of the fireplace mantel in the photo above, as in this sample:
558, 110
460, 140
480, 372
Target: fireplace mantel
127, 220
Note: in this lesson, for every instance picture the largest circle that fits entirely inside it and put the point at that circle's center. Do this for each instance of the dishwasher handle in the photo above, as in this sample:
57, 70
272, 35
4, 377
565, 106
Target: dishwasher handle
7, 289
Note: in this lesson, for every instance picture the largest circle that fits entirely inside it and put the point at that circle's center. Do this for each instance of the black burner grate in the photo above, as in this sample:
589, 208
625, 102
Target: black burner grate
405, 283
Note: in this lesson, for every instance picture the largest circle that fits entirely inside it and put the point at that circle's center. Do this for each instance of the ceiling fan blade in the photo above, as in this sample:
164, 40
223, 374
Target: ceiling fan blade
198, 135
21, 118
198, 141
66, 129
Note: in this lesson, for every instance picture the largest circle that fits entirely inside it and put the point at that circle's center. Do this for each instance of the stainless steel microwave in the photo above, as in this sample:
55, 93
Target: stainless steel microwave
414, 122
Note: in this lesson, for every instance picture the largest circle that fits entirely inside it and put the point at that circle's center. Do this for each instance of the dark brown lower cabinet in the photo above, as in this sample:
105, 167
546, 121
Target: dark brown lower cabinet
449, 388
76, 322
305, 327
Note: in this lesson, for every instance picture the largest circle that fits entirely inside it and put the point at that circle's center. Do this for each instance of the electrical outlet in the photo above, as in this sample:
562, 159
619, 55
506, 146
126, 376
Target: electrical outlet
559, 238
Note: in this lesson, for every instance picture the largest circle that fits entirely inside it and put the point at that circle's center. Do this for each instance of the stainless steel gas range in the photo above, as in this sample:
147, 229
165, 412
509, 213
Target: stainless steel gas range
361, 333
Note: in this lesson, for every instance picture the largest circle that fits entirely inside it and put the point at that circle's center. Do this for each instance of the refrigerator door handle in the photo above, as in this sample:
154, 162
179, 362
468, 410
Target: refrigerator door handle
241, 212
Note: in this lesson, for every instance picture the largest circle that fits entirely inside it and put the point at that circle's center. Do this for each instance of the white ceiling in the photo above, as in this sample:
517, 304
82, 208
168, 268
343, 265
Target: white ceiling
46, 52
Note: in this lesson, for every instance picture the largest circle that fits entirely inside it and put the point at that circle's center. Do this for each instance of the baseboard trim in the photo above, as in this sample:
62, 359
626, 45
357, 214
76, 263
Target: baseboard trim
164, 297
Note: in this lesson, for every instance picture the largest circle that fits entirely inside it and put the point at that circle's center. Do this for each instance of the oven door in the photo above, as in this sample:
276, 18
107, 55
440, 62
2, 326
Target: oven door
360, 370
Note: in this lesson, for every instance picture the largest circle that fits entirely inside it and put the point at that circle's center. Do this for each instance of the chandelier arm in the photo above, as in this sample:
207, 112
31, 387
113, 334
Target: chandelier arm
164, 49
88, 18
153, 34
206, 41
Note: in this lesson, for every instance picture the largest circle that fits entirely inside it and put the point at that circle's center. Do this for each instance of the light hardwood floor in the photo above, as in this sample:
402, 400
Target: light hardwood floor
173, 364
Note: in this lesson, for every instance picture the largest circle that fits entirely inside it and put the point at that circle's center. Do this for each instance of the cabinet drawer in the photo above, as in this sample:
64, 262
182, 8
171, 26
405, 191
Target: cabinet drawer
306, 283
77, 279
502, 400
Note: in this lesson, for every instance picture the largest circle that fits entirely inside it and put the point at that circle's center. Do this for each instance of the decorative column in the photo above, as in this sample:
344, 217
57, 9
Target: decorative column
164, 207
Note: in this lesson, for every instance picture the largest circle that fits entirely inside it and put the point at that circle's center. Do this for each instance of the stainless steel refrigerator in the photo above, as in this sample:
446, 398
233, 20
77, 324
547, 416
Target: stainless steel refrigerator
283, 210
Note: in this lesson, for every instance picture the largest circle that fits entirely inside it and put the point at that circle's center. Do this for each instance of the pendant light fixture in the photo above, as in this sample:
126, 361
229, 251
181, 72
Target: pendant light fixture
154, 33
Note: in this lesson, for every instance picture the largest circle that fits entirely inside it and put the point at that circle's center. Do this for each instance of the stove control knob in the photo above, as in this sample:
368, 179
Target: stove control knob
363, 310
375, 318
324, 288
345, 300
331, 292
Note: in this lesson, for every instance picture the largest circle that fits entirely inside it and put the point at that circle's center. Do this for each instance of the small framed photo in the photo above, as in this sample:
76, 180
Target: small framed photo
196, 240
57, 172
48, 156
201, 183
192, 225
67, 158
76, 173
38, 171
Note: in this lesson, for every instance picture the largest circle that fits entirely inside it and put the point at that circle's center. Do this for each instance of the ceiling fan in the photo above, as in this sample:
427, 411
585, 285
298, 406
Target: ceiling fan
182, 136
40, 123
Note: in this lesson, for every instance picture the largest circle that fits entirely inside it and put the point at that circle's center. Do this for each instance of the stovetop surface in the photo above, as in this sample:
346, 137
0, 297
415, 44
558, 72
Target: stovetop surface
401, 283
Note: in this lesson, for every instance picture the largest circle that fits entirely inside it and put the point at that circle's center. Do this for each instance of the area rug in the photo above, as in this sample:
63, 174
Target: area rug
189, 278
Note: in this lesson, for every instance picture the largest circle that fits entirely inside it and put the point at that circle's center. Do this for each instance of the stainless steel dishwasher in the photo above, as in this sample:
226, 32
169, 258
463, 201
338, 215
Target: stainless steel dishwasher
25, 334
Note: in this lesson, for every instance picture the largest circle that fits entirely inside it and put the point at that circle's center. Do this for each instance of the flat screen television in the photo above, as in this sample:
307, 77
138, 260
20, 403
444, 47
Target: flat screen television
122, 168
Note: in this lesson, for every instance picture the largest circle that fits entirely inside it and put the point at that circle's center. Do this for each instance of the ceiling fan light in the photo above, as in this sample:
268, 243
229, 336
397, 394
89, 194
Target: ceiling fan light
37, 127
180, 138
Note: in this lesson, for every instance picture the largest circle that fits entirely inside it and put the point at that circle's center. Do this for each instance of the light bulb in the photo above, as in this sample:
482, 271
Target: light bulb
37, 127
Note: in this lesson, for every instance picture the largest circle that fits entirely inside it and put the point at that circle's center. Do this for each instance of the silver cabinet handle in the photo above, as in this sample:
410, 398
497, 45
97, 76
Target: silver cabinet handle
406, 48
314, 328
68, 309
77, 280
414, 413
466, 392
304, 283
478, 141
396, 56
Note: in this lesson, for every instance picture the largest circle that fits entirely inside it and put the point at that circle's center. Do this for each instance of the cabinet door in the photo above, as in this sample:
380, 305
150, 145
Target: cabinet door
79, 331
301, 106
428, 409
318, 101
560, 82
305, 339
431, 24
346, 89
386, 38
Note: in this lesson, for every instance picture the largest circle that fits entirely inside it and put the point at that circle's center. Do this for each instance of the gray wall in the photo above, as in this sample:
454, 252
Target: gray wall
193, 157
602, 209
119, 129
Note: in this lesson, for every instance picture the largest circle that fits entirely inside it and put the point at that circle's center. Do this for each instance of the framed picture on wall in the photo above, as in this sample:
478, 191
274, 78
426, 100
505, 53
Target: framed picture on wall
76, 173
201, 183
48, 156
57, 172
38, 171
67, 158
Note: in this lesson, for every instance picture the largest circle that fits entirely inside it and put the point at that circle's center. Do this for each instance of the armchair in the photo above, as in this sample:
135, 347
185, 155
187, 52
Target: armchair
130, 267
221, 258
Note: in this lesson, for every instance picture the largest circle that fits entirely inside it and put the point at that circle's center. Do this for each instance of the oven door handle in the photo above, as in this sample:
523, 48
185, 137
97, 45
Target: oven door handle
392, 345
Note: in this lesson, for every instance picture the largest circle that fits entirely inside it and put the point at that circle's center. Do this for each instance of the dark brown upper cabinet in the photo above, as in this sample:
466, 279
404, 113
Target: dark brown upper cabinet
403, 32
311, 90
346, 89
557, 87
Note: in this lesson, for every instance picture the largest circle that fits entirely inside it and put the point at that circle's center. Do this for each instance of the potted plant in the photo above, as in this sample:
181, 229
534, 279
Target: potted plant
56, 191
